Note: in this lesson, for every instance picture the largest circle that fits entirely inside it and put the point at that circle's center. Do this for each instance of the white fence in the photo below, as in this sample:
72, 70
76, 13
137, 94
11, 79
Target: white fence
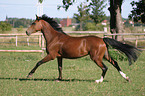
16, 36
41, 41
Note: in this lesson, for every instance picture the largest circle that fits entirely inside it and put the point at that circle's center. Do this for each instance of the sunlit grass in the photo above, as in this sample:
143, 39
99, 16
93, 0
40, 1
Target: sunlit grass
78, 77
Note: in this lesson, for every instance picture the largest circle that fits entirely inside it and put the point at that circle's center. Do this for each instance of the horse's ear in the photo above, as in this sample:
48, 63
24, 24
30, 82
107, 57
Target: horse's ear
37, 18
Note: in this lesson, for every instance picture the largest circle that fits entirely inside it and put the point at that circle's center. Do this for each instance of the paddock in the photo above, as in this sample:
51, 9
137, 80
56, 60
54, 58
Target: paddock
78, 77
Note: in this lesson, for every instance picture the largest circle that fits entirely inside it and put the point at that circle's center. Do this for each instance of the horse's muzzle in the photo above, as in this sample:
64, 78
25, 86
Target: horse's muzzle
27, 33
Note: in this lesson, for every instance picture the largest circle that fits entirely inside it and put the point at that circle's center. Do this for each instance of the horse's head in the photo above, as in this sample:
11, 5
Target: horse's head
35, 26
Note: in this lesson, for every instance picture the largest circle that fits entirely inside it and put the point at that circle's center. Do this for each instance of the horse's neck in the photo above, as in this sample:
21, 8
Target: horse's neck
48, 32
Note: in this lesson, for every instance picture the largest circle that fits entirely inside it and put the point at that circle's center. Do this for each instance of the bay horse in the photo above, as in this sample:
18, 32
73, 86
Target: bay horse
60, 45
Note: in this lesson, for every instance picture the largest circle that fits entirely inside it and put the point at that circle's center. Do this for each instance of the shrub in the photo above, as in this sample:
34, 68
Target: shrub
116, 55
89, 26
4, 26
20, 28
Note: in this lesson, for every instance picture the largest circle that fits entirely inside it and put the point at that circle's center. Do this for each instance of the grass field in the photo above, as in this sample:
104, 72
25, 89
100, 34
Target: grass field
78, 77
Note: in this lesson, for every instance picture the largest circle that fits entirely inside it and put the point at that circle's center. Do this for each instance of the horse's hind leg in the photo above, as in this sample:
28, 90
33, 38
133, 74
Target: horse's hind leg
104, 70
115, 64
98, 60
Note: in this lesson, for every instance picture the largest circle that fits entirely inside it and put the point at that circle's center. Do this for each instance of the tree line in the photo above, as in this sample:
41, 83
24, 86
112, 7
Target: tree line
86, 24
10, 23
16, 22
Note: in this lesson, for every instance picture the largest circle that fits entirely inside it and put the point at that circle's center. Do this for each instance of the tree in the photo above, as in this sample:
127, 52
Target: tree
66, 4
97, 13
82, 15
116, 24
138, 12
40, 1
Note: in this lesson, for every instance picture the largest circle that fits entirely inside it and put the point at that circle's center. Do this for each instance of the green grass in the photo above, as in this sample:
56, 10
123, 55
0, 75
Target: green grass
78, 77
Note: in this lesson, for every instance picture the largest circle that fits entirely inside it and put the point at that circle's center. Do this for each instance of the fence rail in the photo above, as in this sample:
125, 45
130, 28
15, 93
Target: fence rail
21, 50
87, 32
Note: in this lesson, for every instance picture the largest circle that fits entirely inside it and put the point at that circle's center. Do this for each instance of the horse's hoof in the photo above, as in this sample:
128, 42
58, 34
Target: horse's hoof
98, 81
58, 80
127, 78
29, 75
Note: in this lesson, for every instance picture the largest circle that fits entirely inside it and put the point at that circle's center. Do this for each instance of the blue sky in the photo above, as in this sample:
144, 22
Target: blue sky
28, 8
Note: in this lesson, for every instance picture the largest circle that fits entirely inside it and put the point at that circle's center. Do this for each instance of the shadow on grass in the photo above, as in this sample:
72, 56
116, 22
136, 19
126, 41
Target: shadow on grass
42, 79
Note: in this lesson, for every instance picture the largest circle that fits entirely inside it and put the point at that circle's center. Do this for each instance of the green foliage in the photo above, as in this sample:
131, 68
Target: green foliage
117, 55
138, 12
90, 26
66, 4
20, 28
92, 11
4, 26
82, 15
15, 22
40, 1
97, 14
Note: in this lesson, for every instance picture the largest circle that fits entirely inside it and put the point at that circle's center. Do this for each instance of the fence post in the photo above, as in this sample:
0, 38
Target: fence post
16, 40
136, 41
105, 29
40, 40
43, 41
28, 41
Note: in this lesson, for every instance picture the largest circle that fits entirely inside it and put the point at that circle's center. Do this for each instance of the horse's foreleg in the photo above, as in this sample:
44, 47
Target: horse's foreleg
97, 56
59, 60
46, 59
34, 69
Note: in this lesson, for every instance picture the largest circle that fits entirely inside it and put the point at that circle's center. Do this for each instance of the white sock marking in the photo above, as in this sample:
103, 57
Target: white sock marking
123, 75
100, 80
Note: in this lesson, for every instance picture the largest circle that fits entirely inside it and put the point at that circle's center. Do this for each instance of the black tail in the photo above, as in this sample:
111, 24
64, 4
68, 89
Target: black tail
131, 52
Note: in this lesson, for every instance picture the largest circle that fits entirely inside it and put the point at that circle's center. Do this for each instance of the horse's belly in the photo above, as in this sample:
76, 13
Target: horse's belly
74, 52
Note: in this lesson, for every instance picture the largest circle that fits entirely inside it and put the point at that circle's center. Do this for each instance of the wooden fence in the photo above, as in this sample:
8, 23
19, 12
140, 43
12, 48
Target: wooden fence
16, 36
40, 37
41, 41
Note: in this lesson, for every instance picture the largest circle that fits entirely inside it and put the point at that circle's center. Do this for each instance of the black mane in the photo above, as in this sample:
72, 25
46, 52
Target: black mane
52, 22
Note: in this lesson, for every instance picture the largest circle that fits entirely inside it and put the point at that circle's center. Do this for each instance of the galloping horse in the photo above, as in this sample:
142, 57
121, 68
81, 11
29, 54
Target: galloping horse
60, 45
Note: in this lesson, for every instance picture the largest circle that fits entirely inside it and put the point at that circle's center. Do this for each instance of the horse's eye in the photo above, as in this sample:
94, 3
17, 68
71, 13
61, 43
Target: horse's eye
33, 23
